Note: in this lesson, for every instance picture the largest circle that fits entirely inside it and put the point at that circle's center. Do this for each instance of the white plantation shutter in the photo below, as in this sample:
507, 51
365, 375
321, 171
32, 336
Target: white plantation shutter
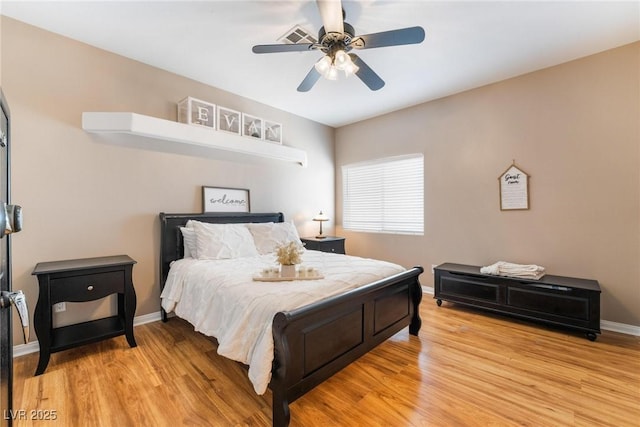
385, 195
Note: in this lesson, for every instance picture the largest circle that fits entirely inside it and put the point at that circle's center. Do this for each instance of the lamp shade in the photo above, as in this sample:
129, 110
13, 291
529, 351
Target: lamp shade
321, 217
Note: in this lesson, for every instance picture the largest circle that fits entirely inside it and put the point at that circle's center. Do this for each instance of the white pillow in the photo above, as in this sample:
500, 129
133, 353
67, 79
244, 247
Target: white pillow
189, 242
269, 235
223, 241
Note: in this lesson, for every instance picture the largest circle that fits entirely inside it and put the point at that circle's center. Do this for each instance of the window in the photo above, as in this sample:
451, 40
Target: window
384, 195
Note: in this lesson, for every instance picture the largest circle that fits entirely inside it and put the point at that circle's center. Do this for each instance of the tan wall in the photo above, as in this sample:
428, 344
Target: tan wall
83, 198
574, 128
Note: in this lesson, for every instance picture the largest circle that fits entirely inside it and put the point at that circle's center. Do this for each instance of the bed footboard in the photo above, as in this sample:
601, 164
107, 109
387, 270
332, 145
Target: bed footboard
314, 342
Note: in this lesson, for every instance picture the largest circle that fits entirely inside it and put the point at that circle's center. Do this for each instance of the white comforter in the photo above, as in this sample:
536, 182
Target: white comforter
220, 299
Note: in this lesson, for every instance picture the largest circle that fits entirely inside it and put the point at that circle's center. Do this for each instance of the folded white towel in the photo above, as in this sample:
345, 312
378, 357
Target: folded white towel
524, 271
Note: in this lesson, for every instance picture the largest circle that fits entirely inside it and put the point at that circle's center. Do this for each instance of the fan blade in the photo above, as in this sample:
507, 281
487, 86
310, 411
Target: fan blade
310, 80
275, 48
411, 35
366, 74
331, 14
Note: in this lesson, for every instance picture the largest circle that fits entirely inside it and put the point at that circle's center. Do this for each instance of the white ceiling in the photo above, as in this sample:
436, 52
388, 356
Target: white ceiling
468, 44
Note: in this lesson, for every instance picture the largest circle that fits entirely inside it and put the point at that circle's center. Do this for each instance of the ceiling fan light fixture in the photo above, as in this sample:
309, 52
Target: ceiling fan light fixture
331, 74
323, 65
329, 65
351, 68
341, 60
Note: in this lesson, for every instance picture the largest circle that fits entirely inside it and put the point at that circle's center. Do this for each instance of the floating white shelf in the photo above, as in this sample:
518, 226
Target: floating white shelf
152, 127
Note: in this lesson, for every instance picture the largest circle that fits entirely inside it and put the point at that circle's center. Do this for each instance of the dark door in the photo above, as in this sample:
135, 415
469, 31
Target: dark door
6, 341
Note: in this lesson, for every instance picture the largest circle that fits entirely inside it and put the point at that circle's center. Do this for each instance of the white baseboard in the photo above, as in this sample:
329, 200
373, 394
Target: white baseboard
147, 318
34, 347
607, 325
623, 328
23, 349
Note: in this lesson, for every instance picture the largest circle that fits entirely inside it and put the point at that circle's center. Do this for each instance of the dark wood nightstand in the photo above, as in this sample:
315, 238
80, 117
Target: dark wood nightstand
328, 244
81, 280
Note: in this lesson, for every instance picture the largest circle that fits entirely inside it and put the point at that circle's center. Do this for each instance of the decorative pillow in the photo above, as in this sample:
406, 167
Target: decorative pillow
269, 235
189, 242
223, 241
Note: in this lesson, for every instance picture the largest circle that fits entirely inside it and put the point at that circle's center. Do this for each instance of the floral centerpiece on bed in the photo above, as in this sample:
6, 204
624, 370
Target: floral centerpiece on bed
288, 255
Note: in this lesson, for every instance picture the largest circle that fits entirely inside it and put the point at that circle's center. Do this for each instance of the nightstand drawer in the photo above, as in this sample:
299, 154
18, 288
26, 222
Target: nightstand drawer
327, 244
336, 246
86, 287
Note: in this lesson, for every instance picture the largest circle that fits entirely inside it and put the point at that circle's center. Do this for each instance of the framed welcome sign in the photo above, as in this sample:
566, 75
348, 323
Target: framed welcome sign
514, 189
218, 199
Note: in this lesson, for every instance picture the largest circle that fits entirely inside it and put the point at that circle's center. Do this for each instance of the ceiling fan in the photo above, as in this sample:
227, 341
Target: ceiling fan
336, 39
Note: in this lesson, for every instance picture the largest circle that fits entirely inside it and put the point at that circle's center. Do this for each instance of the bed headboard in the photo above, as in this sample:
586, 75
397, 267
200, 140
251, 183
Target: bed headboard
171, 246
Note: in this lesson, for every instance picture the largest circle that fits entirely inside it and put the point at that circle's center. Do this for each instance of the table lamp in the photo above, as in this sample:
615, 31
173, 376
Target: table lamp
320, 218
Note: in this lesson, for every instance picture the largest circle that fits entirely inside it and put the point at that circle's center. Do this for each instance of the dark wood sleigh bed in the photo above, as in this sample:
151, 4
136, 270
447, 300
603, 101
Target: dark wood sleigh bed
314, 342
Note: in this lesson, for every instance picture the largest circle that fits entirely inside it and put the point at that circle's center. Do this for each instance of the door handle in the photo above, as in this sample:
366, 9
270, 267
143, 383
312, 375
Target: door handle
18, 300
14, 215
10, 219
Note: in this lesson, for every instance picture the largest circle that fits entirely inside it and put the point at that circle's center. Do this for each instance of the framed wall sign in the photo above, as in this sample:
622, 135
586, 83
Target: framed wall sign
514, 189
218, 199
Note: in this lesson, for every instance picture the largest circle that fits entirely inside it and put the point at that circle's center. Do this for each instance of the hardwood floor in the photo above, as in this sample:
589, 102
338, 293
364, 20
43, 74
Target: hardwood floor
467, 368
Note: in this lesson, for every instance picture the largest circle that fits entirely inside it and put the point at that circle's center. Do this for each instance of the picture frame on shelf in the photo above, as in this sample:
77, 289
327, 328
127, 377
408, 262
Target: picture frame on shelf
273, 132
229, 120
252, 126
195, 111
221, 199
